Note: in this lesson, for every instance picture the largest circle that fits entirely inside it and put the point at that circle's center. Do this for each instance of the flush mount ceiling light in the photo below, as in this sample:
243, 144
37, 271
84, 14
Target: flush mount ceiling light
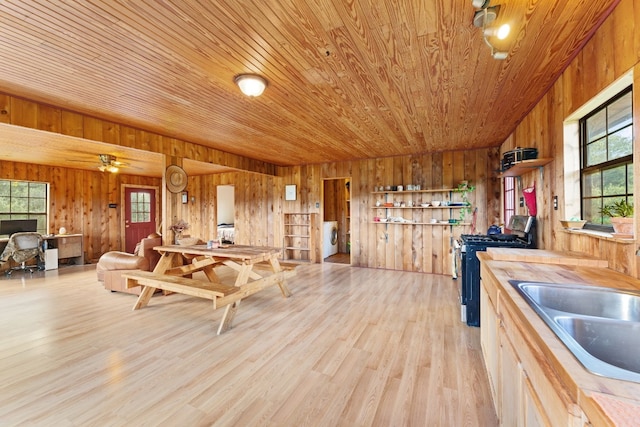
251, 84
483, 18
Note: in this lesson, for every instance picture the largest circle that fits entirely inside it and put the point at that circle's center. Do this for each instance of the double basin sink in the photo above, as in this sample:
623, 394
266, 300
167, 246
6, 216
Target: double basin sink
600, 326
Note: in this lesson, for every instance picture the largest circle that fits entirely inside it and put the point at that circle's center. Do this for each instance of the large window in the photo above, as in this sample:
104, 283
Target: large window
24, 200
606, 142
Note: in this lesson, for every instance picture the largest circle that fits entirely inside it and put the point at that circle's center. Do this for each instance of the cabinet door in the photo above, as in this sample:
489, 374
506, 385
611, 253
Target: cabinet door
69, 247
533, 411
489, 343
510, 384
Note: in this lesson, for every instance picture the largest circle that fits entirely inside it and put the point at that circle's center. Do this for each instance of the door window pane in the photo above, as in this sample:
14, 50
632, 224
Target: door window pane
140, 207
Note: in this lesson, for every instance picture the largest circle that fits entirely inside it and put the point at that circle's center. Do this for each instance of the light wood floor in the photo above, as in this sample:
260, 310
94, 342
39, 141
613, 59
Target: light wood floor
350, 347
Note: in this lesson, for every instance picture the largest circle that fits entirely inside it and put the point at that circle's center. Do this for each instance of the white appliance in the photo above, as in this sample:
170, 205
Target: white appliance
329, 238
50, 259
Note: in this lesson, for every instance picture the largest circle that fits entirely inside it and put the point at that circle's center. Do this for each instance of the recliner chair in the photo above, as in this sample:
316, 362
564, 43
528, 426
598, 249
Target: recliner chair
21, 248
113, 264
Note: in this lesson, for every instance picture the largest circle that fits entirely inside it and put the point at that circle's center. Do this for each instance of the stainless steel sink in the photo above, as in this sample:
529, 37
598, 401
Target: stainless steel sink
587, 300
601, 326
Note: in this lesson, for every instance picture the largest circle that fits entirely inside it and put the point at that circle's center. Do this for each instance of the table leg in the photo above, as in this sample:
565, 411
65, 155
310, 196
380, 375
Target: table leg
166, 262
275, 265
227, 319
145, 297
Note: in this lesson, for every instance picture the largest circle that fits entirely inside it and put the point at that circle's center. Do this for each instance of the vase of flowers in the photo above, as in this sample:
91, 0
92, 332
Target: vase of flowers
178, 228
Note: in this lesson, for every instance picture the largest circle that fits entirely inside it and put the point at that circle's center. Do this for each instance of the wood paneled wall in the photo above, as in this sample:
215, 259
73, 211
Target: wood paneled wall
422, 248
258, 207
79, 201
612, 52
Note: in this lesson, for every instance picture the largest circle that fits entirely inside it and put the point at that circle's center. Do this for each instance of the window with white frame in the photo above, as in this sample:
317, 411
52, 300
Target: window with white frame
25, 200
606, 153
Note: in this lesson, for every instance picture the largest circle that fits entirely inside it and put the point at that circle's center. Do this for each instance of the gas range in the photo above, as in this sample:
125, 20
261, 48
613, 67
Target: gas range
482, 242
522, 236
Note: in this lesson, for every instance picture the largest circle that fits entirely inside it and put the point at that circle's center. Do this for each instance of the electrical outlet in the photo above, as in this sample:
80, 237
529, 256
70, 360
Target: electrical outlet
317, 205
522, 202
555, 203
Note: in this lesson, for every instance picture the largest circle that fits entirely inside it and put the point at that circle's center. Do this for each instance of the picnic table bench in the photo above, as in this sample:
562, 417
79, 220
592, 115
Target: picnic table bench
171, 275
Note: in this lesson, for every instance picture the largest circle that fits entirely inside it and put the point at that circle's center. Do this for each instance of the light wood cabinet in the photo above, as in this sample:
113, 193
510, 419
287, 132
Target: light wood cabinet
525, 391
300, 231
510, 384
489, 343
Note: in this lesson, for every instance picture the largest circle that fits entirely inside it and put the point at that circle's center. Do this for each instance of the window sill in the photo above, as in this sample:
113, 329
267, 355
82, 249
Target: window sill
600, 235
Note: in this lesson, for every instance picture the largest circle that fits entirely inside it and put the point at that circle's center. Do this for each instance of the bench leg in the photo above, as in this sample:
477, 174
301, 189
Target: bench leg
227, 319
284, 289
145, 296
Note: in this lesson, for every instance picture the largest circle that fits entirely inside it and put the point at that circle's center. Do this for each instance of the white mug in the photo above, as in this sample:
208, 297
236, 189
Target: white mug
400, 188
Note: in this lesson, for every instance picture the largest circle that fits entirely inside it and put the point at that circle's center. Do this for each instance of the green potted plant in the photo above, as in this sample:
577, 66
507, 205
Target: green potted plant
464, 188
621, 214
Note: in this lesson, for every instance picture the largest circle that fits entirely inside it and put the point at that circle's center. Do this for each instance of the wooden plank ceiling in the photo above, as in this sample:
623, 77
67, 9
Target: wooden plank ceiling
347, 79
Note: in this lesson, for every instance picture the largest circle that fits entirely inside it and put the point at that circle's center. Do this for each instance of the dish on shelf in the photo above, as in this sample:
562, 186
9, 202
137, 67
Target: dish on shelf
435, 203
424, 205
388, 205
444, 221
573, 224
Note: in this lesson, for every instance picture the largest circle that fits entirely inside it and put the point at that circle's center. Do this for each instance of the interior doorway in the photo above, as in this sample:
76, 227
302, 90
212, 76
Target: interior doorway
336, 226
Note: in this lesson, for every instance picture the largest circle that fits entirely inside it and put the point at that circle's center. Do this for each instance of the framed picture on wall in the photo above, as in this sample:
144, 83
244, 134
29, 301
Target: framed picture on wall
290, 192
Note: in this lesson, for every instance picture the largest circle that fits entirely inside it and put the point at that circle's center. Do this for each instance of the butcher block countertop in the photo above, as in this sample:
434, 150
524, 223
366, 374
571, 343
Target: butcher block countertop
606, 402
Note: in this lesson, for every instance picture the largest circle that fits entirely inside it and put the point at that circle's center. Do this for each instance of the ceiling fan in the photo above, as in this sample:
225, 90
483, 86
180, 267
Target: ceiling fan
109, 163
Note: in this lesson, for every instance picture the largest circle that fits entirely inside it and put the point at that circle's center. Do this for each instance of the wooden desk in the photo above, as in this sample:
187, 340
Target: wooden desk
172, 274
69, 246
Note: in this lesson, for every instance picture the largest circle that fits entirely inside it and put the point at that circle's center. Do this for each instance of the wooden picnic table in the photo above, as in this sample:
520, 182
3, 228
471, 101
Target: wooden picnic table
255, 267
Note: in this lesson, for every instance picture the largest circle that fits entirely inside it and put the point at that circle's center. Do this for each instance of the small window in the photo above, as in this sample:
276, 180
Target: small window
25, 200
606, 141
509, 198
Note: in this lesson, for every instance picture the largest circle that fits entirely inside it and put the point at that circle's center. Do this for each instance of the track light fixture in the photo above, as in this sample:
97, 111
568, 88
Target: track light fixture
483, 18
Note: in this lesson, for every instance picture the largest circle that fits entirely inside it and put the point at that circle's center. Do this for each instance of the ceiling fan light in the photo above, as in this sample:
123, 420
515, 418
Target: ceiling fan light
251, 84
500, 55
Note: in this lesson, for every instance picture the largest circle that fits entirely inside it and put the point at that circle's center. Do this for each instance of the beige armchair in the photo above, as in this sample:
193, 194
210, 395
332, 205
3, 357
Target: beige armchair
113, 264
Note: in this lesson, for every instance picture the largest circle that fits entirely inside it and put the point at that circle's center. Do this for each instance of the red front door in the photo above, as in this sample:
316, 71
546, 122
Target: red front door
140, 215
